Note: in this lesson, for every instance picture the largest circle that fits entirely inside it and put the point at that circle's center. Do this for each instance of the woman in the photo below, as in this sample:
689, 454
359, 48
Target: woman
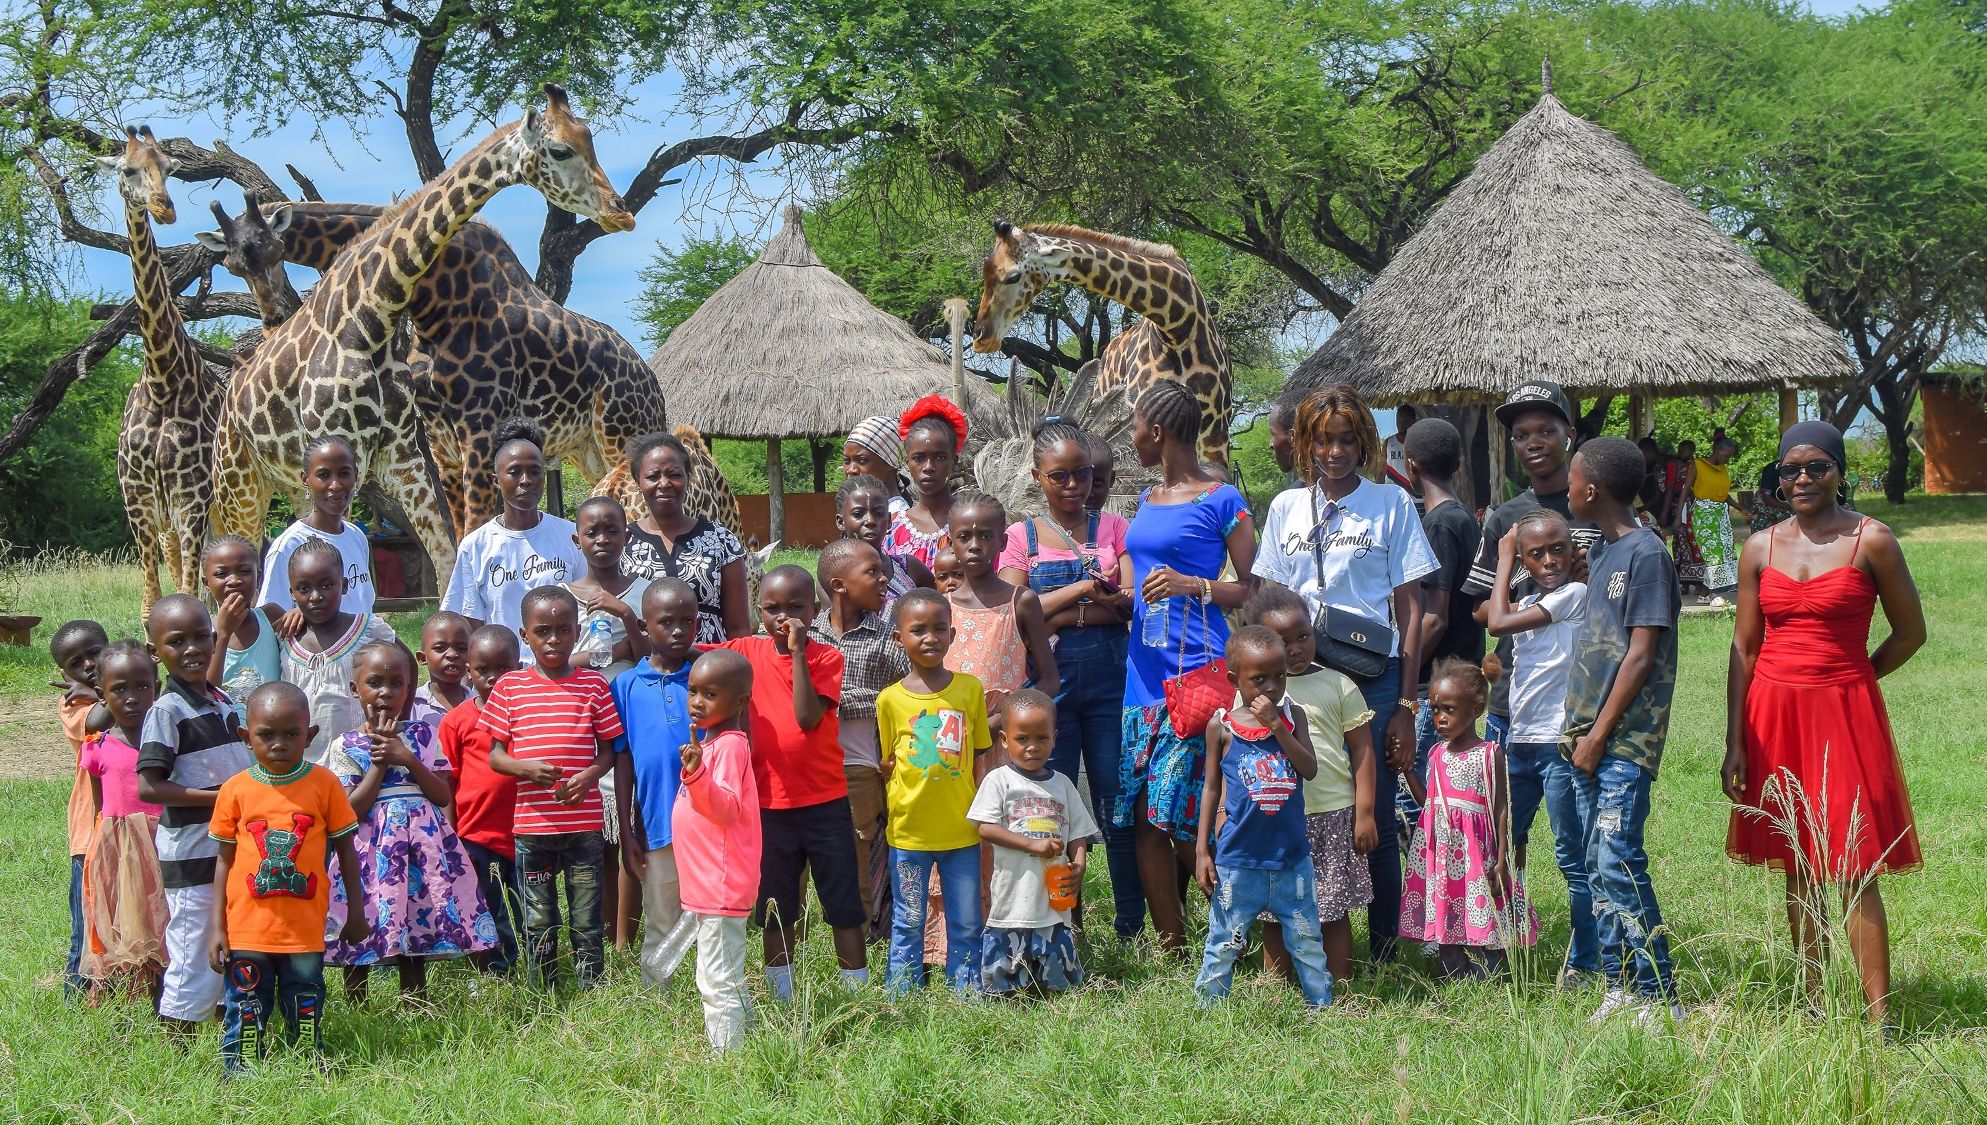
873, 449
1075, 561
1349, 544
671, 543
934, 435
1683, 541
1711, 514
1187, 527
1809, 754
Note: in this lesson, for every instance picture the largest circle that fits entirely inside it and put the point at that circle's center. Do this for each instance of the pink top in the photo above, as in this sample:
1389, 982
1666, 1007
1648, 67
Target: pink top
715, 830
987, 644
1050, 547
115, 764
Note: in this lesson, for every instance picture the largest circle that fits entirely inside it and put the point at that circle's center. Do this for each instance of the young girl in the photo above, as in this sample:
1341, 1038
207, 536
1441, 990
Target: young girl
232, 570
946, 573
421, 895
124, 897
862, 511
331, 476
934, 433
444, 653
998, 626
319, 659
1459, 892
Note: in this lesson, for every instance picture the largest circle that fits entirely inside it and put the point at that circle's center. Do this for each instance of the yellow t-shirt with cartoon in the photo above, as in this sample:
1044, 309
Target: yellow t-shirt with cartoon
929, 742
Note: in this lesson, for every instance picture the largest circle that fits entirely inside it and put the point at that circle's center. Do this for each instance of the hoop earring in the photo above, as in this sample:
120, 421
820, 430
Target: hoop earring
1780, 493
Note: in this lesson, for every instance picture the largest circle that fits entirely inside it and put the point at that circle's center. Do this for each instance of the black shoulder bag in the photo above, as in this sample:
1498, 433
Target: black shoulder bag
1352, 643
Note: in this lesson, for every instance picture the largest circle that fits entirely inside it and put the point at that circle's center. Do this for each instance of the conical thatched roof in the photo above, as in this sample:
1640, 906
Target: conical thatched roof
1562, 257
788, 350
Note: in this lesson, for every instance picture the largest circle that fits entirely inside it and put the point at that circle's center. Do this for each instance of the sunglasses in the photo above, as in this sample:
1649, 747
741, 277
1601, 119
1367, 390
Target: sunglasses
1813, 470
1066, 477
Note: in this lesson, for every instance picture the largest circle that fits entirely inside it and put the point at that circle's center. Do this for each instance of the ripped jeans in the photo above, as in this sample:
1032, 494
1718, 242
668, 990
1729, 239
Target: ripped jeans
541, 860
1291, 897
1613, 806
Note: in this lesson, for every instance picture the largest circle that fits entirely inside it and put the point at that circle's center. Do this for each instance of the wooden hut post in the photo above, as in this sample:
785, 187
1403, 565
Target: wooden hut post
1641, 416
776, 501
1500, 460
1790, 408
958, 312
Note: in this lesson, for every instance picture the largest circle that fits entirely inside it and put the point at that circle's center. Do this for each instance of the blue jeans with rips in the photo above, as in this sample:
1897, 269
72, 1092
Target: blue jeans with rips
1291, 898
257, 984
959, 882
1614, 810
541, 861
1540, 774
1383, 917
1090, 714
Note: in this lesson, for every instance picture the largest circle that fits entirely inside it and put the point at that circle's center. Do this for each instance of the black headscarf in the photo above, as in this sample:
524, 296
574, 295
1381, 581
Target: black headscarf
1821, 435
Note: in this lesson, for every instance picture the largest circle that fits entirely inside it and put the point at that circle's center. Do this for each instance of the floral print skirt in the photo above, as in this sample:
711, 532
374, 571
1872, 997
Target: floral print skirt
422, 896
1161, 772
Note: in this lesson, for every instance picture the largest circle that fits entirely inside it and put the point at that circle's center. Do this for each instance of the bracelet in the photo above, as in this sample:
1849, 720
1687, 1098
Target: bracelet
1206, 591
1079, 615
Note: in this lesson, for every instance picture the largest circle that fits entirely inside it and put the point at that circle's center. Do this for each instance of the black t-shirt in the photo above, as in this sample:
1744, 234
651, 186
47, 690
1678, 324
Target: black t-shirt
1452, 535
1496, 524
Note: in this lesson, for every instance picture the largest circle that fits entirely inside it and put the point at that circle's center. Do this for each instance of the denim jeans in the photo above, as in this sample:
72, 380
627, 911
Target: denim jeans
1383, 917
1090, 715
257, 983
497, 876
1291, 897
959, 880
541, 860
1614, 810
73, 982
1540, 774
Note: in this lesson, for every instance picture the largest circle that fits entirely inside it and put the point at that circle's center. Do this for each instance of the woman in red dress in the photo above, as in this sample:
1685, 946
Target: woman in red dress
1809, 756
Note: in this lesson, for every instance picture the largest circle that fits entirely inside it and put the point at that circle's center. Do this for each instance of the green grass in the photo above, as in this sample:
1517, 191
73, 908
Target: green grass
1137, 1048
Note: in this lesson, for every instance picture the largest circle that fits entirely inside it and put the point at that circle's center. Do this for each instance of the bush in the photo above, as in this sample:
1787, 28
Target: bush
61, 490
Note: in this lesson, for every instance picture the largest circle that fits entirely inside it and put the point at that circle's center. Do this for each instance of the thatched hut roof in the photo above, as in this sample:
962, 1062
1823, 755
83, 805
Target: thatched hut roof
1562, 257
788, 350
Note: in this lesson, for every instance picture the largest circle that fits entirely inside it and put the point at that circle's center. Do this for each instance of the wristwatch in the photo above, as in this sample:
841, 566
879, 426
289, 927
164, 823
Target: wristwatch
1413, 706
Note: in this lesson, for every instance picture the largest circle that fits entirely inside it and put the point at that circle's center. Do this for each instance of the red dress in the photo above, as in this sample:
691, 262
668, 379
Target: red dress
1821, 765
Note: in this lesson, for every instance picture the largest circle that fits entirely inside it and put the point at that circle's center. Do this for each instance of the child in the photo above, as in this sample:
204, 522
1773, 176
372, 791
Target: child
331, 476
934, 433
419, 893
653, 700
191, 744
1103, 472
75, 648
932, 727
252, 653
1041, 834
1459, 893
485, 800
1339, 815
444, 653
999, 626
803, 795
947, 574
268, 915
319, 658
863, 512
1251, 851
851, 570
124, 903
716, 829
521, 548
1544, 628
553, 728
1617, 716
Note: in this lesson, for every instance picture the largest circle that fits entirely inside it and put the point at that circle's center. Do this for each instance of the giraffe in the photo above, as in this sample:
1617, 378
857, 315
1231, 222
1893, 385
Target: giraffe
337, 351
170, 415
1175, 337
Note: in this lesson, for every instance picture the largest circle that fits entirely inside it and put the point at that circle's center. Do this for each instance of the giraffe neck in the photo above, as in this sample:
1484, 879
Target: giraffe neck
1168, 296
169, 351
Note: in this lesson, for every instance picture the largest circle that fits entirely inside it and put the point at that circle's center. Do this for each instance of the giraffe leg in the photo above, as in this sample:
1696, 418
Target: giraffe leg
186, 536
404, 469
241, 491
145, 532
476, 461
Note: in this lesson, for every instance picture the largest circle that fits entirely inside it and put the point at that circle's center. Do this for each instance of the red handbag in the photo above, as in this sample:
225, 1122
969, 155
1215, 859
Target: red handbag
1193, 697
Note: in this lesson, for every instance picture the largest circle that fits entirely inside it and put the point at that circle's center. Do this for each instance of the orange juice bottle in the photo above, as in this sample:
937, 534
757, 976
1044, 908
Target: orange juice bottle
1061, 878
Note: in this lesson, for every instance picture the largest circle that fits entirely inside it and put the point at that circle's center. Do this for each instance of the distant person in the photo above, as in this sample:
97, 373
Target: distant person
1280, 417
1103, 472
521, 548
231, 569
75, 649
717, 838
1711, 514
1448, 625
1404, 419
1683, 531
331, 477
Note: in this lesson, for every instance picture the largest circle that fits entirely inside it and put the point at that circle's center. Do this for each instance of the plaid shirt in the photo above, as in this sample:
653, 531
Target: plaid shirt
871, 661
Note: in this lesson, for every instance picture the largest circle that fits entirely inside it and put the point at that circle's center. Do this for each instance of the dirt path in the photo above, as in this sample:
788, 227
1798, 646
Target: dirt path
31, 744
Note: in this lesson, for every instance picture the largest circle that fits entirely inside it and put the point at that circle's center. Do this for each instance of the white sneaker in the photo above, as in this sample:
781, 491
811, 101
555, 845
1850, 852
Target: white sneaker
1616, 1001
1652, 1013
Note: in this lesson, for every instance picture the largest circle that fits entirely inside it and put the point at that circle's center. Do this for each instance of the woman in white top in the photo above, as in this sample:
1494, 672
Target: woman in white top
521, 549
1341, 541
331, 477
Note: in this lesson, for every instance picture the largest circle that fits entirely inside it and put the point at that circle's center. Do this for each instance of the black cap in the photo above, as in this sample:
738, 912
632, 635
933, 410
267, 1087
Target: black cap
1535, 394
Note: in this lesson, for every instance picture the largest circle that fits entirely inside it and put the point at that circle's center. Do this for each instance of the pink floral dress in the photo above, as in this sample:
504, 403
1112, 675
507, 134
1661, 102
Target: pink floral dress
1450, 897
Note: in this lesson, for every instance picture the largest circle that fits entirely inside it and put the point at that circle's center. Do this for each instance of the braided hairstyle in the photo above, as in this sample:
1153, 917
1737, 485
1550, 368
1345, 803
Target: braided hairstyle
328, 441
1173, 408
968, 500
312, 548
1055, 430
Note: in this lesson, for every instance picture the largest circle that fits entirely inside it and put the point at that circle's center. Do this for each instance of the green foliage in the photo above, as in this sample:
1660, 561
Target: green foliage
1751, 421
61, 490
743, 464
679, 280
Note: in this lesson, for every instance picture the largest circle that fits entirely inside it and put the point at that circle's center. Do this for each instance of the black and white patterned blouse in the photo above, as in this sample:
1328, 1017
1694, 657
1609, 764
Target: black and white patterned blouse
700, 557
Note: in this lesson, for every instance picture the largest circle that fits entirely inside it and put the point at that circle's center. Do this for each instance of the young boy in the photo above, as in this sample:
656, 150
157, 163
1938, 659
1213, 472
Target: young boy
192, 745
716, 829
1252, 853
485, 800
268, 919
445, 654
553, 728
75, 648
803, 795
653, 699
852, 573
1617, 717
932, 728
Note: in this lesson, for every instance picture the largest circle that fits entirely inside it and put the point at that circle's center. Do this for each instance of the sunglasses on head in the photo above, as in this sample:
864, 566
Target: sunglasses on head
1066, 477
1813, 470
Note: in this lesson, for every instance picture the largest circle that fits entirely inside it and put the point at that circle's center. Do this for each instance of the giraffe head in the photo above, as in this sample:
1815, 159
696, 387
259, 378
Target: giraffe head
251, 248
1012, 275
141, 171
555, 151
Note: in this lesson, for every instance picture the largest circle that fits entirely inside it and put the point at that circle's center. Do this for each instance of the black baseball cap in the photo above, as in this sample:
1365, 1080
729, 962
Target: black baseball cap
1536, 394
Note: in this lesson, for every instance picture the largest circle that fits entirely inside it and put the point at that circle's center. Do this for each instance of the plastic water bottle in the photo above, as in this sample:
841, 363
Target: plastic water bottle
660, 964
598, 644
1153, 633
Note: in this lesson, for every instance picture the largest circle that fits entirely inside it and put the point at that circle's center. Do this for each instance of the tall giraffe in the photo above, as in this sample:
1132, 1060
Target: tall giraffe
1174, 339
337, 351
170, 415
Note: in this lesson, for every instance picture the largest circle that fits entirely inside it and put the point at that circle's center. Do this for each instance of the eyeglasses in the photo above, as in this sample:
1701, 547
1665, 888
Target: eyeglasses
1813, 470
1063, 478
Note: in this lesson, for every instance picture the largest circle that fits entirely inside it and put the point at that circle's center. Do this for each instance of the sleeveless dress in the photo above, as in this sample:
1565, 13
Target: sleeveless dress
1821, 763
1450, 897
987, 645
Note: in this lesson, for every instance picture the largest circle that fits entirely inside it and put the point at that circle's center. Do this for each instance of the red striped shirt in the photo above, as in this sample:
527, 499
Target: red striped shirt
556, 721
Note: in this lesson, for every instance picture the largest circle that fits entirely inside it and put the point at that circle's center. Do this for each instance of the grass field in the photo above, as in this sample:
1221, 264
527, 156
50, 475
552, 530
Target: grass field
1133, 1045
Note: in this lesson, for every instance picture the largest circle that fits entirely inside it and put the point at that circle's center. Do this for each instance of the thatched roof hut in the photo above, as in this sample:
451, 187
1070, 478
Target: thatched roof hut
1561, 256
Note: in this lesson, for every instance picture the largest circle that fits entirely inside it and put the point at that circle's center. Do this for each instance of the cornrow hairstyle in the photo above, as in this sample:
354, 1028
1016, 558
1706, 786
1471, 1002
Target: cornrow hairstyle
219, 541
1272, 598
1320, 407
963, 500
547, 595
328, 441
517, 429
1029, 699
1543, 518
1055, 430
1615, 464
1462, 672
640, 448
394, 650
853, 486
69, 632
934, 415
1253, 639
312, 548
1173, 408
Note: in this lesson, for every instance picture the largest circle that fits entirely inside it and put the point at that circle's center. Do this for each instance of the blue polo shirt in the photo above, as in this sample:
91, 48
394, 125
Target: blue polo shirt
655, 709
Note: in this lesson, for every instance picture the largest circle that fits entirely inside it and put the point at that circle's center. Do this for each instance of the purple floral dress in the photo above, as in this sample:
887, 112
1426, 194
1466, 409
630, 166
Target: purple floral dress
421, 892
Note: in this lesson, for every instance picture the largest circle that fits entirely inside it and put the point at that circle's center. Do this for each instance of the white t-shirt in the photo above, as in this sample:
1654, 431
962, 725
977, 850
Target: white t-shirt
1037, 810
496, 567
352, 546
1374, 543
617, 629
1397, 461
1541, 660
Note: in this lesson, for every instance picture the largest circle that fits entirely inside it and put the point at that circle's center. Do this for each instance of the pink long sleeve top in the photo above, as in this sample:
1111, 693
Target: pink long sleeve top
715, 830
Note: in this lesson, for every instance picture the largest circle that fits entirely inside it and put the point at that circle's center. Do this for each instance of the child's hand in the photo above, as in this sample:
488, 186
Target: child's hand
218, 953
1587, 753
1365, 834
76, 693
540, 773
356, 929
634, 859
390, 749
796, 631
1067, 881
1263, 710
1204, 873
569, 791
233, 611
605, 602
1507, 547
290, 625
693, 752
1048, 848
